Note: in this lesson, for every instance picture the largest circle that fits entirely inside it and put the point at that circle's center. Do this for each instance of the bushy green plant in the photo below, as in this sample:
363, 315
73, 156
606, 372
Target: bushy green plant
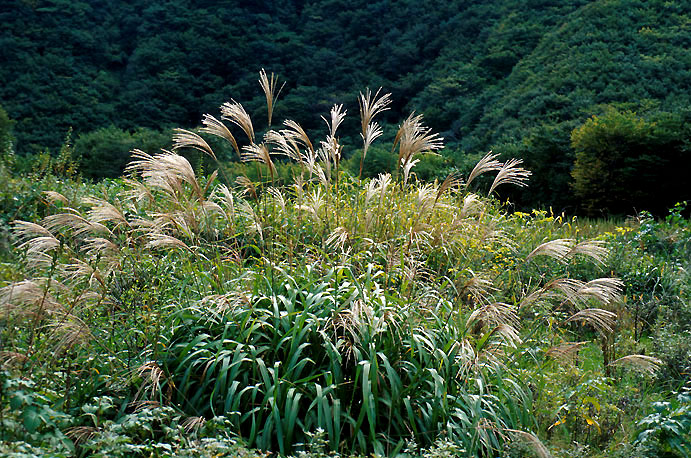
620, 157
105, 152
668, 429
377, 310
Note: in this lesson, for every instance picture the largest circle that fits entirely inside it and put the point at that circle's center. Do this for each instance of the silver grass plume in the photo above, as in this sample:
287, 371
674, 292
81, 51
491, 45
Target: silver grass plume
284, 144
187, 139
259, 153
487, 164
565, 352
54, 197
452, 181
296, 132
594, 249
103, 211
152, 376
413, 138
268, 85
166, 171
77, 224
478, 287
371, 106
213, 126
558, 249
642, 363
605, 290
531, 439
27, 298
511, 173
472, 205
234, 112
602, 320
494, 314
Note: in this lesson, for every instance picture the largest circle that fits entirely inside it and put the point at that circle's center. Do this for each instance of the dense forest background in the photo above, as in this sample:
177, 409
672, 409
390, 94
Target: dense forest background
593, 95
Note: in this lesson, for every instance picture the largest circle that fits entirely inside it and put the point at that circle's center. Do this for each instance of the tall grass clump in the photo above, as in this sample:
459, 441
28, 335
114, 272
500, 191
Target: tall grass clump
374, 312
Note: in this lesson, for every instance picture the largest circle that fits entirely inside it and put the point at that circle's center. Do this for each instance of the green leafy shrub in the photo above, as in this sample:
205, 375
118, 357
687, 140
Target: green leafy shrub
667, 431
335, 353
105, 152
620, 157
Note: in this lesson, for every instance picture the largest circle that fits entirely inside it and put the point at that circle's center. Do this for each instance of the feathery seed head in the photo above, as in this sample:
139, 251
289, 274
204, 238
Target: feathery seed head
234, 112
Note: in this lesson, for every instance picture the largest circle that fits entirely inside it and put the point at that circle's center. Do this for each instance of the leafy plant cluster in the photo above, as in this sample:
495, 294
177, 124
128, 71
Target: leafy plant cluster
179, 312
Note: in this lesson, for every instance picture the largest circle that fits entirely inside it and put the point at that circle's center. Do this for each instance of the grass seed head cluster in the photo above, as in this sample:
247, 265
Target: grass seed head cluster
369, 311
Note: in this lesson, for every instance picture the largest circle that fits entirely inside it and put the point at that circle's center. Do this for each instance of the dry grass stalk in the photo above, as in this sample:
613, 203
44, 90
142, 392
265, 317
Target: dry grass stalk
566, 352
157, 240
413, 138
28, 298
187, 139
77, 224
80, 434
558, 249
314, 205
277, 198
137, 192
477, 287
472, 205
103, 211
77, 271
336, 117
406, 167
166, 171
69, 331
285, 145
487, 164
216, 127
247, 187
559, 287
296, 132
193, 424
36, 239
425, 198
511, 173
602, 320
452, 181
253, 222
331, 149
495, 314
222, 303
96, 247
337, 239
371, 133
642, 363
371, 106
152, 376
594, 249
54, 197
235, 113
539, 448
268, 85
259, 153
12, 358
605, 290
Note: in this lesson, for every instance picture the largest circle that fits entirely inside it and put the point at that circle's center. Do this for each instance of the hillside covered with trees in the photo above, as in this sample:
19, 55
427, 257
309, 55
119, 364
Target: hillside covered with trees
516, 77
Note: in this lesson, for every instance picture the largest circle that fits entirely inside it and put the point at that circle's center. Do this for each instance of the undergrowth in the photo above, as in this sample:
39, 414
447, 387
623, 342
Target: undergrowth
179, 313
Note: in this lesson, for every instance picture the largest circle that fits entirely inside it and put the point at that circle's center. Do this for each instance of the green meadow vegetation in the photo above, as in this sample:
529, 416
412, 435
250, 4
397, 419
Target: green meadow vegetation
293, 302
489, 256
